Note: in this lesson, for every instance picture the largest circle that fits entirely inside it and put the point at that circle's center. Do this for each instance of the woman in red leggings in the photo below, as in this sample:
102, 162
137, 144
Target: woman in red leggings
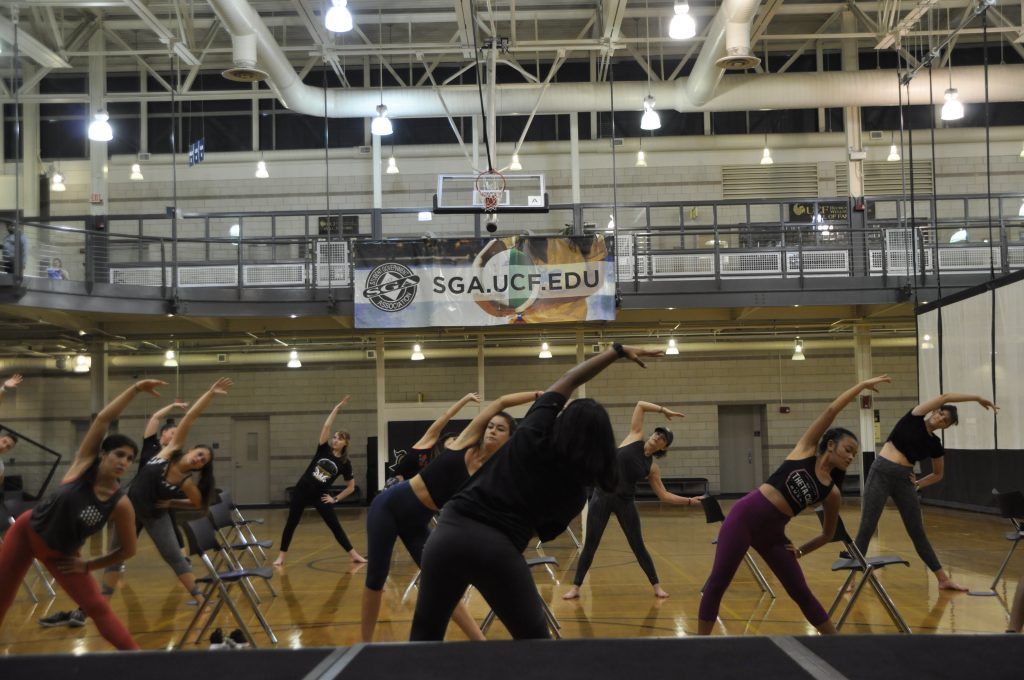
55, 530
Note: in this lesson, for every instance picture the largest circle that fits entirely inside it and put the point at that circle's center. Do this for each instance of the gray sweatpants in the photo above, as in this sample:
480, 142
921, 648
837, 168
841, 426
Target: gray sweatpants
887, 479
161, 530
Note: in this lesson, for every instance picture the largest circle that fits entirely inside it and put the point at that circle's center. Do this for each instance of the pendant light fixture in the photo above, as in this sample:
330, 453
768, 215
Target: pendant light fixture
894, 152
170, 359
136, 175
682, 26
381, 125
338, 18
392, 163
545, 351
516, 165
57, 181
766, 156
293, 359
261, 169
99, 128
650, 120
672, 348
417, 353
798, 350
83, 362
953, 108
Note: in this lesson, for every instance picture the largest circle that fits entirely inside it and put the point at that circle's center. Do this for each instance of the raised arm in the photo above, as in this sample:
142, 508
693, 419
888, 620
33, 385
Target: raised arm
471, 435
9, 384
90, 446
429, 437
927, 407
636, 425
155, 420
581, 373
325, 431
181, 434
809, 442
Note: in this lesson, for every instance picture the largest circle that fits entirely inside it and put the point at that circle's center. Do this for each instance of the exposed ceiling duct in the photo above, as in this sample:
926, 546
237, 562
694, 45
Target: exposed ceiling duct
727, 46
730, 93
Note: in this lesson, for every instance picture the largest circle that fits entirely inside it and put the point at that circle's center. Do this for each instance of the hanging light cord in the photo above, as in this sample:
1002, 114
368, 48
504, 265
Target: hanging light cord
480, 86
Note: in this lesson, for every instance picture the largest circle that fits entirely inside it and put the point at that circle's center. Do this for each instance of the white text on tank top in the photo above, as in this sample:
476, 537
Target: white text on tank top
801, 488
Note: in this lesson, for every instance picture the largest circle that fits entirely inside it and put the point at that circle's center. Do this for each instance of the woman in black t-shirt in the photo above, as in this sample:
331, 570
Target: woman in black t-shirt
635, 463
55, 530
535, 485
892, 475
314, 487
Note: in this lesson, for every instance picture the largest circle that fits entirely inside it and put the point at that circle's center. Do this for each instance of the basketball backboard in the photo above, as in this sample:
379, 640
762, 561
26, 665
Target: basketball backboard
523, 193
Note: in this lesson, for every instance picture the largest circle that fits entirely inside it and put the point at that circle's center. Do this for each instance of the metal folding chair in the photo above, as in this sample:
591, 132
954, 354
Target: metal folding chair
855, 564
221, 516
243, 525
13, 509
1011, 506
553, 624
713, 514
202, 539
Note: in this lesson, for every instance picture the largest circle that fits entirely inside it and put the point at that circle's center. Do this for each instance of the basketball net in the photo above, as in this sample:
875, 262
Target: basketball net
490, 184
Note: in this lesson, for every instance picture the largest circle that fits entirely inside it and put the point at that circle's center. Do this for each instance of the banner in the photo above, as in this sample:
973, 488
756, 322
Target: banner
483, 282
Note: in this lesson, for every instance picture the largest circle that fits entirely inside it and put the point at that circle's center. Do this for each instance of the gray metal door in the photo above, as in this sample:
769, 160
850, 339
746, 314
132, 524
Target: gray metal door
740, 447
250, 453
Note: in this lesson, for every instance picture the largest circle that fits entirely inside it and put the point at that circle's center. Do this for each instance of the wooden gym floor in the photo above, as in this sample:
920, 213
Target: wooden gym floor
320, 589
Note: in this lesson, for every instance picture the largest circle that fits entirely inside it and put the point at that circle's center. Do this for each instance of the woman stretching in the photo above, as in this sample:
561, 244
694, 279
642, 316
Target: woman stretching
759, 519
892, 475
314, 487
535, 486
410, 463
404, 510
635, 463
55, 530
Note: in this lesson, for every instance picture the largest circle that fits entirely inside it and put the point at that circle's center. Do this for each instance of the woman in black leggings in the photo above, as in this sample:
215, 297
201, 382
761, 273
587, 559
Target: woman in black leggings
536, 485
892, 475
329, 462
635, 462
405, 509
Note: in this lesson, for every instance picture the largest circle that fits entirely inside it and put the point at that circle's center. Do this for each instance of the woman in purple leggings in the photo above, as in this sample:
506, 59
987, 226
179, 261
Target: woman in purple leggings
759, 519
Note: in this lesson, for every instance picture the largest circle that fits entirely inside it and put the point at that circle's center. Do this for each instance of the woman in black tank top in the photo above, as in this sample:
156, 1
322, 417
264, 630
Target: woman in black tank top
55, 530
759, 519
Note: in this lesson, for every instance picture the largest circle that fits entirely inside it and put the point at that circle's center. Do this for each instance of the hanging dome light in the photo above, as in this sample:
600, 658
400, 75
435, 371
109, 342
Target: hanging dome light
1021, 211
136, 175
650, 120
261, 170
641, 159
798, 350
1022, 152
392, 166
894, 154
381, 125
338, 18
545, 351
766, 157
682, 26
170, 360
99, 128
293, 359
611, 224
672, 348
417, 353
83, 362
57, 182
516, 165
953, 109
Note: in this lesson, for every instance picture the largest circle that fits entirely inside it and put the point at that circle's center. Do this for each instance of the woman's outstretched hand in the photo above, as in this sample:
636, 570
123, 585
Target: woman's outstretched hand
149, 386
873, 383
635, 354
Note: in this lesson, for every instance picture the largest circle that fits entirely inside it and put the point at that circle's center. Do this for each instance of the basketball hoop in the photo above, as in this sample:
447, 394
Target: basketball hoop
490, 184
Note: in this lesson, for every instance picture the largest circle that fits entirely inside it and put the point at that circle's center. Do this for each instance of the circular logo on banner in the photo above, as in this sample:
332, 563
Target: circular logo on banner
391, 287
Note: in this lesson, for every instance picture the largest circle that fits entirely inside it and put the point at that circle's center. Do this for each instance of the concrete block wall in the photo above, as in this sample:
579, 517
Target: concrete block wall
295, 402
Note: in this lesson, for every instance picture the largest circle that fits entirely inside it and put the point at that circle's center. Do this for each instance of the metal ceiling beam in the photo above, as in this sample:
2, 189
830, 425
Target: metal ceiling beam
80, 36
162, 32
142, 62
30, 46
803, 48
768, 12
903, 27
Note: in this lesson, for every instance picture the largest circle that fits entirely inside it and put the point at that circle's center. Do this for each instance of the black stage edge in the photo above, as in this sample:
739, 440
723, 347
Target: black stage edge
845, 657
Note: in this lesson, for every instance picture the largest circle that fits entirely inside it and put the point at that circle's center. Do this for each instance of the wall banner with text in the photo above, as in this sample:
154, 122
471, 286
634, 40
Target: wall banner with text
483, 282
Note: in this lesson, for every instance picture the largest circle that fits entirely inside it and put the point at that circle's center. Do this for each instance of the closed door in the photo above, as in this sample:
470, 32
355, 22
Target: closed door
250, 453
740, 447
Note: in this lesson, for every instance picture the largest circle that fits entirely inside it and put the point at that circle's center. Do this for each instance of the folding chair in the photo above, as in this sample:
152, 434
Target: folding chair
13, 509
202, 538
1011, 506
220, 515
857, 563
712, 515
568, 530
553, 623
243, 525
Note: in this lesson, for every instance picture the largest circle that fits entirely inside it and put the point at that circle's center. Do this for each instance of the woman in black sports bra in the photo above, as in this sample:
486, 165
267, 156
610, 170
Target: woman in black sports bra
759, 519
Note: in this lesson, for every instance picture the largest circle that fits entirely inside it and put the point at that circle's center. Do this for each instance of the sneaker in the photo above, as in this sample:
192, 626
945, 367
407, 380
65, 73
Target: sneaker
76, 619
238, 640
844, 555
217, 640
55, 619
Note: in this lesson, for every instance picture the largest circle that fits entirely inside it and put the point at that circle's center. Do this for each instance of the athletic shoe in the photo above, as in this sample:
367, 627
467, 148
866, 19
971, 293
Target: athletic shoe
55, 619
76, 619
238, 640
217, 640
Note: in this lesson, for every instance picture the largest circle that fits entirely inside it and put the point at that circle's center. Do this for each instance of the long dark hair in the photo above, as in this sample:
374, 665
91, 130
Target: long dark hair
109, 443
835, 435
205, 483
509, 420
584, 444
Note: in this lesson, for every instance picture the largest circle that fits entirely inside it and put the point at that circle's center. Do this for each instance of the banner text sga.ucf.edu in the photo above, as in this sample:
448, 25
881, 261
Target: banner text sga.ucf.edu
483, 282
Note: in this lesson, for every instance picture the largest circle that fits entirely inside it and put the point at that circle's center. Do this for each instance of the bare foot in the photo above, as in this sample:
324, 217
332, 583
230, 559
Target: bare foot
356, 557
659, 592
279, 562
950, 584
572, 593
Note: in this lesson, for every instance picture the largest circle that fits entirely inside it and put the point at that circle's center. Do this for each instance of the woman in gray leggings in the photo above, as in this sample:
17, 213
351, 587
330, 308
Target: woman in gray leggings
892, 474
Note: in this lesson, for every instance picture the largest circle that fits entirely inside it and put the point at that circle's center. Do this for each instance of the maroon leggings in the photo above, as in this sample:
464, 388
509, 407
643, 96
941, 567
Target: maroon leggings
754, 522
21, 545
